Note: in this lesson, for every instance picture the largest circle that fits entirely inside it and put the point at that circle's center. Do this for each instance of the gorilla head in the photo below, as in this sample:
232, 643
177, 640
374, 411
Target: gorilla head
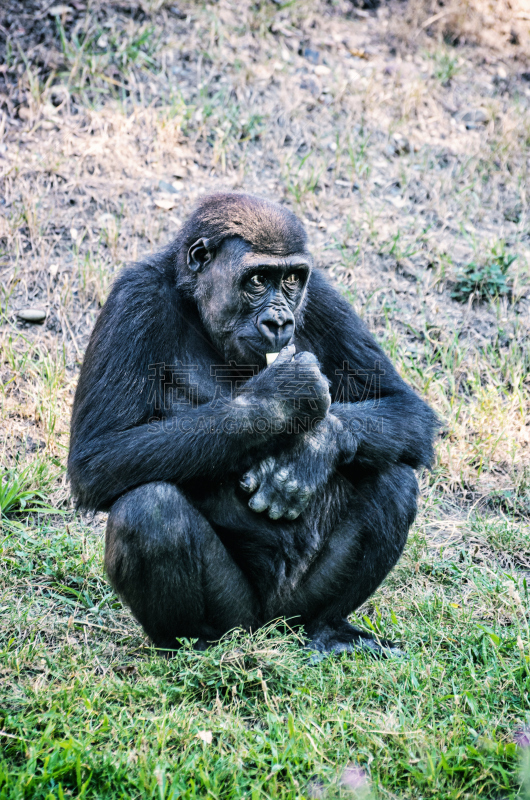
250, 267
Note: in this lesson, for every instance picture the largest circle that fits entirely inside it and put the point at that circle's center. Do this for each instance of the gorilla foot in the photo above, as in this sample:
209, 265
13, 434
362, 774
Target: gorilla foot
343, 637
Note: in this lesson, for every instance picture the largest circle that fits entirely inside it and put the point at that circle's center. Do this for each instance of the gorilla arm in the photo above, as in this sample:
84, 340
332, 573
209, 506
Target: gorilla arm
114, 445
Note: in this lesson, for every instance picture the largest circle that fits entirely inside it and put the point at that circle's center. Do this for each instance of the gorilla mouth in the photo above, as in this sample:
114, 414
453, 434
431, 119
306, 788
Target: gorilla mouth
259, 348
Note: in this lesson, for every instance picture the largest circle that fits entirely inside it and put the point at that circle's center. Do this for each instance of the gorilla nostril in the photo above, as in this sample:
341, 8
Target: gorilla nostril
277, 334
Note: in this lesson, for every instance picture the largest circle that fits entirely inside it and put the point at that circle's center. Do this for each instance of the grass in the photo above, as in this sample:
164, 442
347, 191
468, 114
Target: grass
94, 712
423, 225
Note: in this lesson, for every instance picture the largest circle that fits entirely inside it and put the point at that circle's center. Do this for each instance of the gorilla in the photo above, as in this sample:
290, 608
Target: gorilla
253, 445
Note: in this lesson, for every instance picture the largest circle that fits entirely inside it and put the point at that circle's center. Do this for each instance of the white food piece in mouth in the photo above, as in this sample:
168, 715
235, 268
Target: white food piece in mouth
271, 357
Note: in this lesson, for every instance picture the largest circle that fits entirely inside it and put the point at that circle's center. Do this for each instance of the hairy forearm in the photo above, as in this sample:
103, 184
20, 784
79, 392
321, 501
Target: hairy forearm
399, 428
201, 442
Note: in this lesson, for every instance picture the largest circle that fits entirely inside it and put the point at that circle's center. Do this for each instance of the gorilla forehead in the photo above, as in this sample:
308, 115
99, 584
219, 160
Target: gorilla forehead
243, 258
267, 227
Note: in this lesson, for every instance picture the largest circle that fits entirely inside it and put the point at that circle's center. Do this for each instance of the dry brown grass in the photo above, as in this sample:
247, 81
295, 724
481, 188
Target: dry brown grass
501, 25
371, 146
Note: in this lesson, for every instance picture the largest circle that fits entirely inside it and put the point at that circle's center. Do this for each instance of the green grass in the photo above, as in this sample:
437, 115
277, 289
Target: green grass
89, 710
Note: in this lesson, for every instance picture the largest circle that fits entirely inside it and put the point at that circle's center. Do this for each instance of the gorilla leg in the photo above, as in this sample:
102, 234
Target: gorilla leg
355, 559
172, 570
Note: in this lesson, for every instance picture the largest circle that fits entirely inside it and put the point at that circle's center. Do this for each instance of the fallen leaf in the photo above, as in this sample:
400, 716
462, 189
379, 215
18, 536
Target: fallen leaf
166, 203
58, 11
205, 736
164, 186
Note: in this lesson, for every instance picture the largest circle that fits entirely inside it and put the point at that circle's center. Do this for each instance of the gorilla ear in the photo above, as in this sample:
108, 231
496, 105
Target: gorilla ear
199, 255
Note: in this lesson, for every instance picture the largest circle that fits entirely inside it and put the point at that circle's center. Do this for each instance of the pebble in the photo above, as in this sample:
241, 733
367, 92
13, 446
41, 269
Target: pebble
398, 146
401, 144
312, 55
164, 186
32, 315
475, 117
181, 172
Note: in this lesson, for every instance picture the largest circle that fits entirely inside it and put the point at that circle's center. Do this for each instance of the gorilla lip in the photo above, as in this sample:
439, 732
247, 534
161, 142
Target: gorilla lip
271, 357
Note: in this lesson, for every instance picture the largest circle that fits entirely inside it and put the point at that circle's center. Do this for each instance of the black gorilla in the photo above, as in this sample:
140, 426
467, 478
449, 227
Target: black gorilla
178, 419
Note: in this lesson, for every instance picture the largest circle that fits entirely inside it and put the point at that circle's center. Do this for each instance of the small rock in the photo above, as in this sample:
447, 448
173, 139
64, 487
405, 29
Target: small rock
310, 86
397, 146
37, 315
164, 186
321, 69
177, 12
181, 172
312, 55
475, 117
401, 144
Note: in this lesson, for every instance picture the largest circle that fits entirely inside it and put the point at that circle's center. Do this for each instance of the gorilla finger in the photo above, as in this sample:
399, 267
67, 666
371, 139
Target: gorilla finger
249, 482
292, 513
267, 465
282, 475
291, 487
306, 358
285, 354
276, 510
260, 501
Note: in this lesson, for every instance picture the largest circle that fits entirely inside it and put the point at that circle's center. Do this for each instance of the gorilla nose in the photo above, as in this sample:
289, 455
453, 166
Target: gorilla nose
277, 332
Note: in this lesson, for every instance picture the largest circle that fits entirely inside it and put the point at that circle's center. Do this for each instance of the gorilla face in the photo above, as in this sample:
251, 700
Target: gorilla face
248, 301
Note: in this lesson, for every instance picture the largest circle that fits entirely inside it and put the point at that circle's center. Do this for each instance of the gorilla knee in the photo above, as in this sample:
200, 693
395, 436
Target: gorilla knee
136, 531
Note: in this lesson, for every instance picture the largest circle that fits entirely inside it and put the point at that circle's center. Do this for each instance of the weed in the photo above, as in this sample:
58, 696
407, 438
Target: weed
18, 488
303, 179
445, 66
486, 280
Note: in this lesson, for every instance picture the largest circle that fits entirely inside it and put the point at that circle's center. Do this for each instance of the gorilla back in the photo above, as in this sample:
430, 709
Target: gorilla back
238, 491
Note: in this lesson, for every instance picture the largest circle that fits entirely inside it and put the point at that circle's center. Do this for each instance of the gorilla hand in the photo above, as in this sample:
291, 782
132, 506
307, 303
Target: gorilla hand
292, 387
286, 483
277, 488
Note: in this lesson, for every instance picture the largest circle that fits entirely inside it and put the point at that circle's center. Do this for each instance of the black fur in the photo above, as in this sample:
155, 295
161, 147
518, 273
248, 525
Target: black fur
175, 459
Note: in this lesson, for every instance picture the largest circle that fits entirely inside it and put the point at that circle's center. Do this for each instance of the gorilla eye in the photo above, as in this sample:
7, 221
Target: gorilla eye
292, 280
258, 281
